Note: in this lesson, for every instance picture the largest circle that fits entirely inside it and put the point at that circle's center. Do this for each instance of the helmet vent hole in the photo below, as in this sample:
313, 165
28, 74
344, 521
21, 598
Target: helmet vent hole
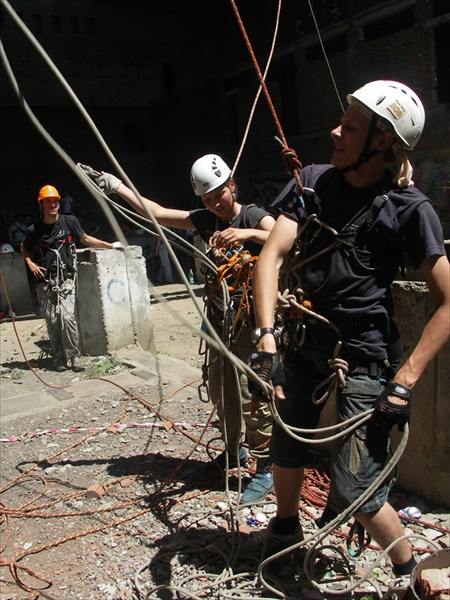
380, 100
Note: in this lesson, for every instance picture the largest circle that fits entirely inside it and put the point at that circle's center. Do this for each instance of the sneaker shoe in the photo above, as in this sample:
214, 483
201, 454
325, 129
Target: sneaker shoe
61, 365
233, 460
258, 488
266, 543
215, 468
77, 365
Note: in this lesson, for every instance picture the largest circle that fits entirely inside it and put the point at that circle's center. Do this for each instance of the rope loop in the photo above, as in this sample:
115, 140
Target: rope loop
292, 164
291, 160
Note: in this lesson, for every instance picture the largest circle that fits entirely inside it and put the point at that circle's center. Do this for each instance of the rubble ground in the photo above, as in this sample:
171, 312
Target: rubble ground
114, 497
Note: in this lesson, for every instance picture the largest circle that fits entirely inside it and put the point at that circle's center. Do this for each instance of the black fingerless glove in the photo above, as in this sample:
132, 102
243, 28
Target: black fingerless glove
391, 414
267, 365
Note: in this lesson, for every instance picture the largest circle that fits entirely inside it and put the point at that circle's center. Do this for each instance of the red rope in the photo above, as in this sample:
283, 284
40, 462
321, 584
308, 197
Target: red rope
288, 155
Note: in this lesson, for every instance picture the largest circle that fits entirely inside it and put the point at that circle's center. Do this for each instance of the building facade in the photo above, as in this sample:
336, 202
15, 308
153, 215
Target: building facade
165, 82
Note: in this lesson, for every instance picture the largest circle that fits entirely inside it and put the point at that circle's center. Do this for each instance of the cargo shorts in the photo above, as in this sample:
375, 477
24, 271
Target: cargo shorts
357, 458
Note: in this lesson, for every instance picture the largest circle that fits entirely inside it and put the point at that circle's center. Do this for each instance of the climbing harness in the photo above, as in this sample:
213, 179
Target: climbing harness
295, 305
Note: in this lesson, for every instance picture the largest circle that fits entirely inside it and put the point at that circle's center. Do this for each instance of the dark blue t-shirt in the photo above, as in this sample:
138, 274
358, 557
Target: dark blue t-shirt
351, 285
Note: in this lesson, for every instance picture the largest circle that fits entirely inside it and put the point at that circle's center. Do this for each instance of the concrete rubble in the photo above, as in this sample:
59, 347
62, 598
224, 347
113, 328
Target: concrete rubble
105, 496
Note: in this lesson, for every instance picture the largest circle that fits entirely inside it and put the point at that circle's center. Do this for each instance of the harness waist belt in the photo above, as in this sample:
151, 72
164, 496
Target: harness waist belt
373, 369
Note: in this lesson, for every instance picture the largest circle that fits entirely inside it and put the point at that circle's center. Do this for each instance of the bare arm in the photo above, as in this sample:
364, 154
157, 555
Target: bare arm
170, 217
259, 234
265, 278
35, 269
265, 284
436, 272
93, 242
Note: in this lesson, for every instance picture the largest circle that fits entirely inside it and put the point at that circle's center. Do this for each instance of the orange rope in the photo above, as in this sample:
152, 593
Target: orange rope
288, 155
13, 321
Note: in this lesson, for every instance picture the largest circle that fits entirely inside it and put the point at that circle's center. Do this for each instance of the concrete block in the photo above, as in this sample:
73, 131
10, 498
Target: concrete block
15, 279
139, 297
113, 302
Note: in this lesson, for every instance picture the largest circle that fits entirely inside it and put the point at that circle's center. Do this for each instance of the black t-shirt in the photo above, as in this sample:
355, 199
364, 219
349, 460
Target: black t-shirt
48, 243
206, 223
351, 285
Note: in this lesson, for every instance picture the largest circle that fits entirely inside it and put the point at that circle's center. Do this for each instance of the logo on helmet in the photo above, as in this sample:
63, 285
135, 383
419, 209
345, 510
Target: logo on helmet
215, 168
396, 109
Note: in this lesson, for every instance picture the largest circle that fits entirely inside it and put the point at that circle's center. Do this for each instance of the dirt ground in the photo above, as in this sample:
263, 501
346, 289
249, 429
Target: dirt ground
114, 497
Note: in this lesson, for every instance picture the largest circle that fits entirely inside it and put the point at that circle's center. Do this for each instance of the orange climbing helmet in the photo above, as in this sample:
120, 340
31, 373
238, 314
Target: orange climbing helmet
48, 191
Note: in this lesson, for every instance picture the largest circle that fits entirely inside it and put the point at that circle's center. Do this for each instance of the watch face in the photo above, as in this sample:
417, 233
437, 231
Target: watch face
256, 335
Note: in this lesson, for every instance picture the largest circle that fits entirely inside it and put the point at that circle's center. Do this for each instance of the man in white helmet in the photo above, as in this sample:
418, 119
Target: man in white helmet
225, 222
368, 214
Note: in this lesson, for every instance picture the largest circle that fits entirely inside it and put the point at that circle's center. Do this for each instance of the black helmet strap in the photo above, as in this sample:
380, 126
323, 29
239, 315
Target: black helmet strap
366, 153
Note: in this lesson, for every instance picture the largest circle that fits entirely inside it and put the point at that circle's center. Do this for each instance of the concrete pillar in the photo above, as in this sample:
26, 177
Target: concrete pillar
113, 301
15, 280
425, 465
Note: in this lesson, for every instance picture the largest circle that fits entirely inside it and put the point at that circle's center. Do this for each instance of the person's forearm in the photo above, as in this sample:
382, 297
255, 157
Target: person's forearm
436, 272
170, 217
265, 293
265, 278
434, 337
130, 197
92, 242
259, 236
35, 269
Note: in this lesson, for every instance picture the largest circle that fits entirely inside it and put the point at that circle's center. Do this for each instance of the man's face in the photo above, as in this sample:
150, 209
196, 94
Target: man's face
50, 206
349, 138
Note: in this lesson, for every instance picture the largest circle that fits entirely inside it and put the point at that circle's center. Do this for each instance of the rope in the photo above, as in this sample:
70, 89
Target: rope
258, 93
289, 156
325, 55
13, 321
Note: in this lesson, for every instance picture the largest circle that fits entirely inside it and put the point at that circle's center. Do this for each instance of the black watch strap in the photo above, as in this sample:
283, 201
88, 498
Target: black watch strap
265, 330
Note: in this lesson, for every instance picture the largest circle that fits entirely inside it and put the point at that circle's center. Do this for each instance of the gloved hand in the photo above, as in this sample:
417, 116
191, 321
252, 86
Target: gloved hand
267, 365
388, 413
117, 245
108, 183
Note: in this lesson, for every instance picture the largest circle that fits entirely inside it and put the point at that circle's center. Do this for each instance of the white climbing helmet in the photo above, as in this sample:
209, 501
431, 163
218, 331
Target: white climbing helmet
208, 173
396, 103
6, 249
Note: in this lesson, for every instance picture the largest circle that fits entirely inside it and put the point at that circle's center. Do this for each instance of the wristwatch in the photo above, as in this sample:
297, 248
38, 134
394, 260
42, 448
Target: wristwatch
260, 331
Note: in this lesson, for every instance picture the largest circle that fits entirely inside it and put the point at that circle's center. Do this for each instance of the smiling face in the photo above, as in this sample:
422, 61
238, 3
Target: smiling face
349, 138
221, 202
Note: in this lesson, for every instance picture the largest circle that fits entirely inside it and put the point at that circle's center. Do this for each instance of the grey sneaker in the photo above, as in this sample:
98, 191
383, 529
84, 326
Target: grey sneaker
258, 488
77, 365
61, 365
267, 543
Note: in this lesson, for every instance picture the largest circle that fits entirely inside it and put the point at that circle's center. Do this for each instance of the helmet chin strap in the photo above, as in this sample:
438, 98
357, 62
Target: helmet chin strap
366, 153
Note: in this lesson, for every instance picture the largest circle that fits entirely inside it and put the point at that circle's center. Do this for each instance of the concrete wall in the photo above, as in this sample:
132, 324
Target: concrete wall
425, 465
113, 301
424, 469
15, 286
